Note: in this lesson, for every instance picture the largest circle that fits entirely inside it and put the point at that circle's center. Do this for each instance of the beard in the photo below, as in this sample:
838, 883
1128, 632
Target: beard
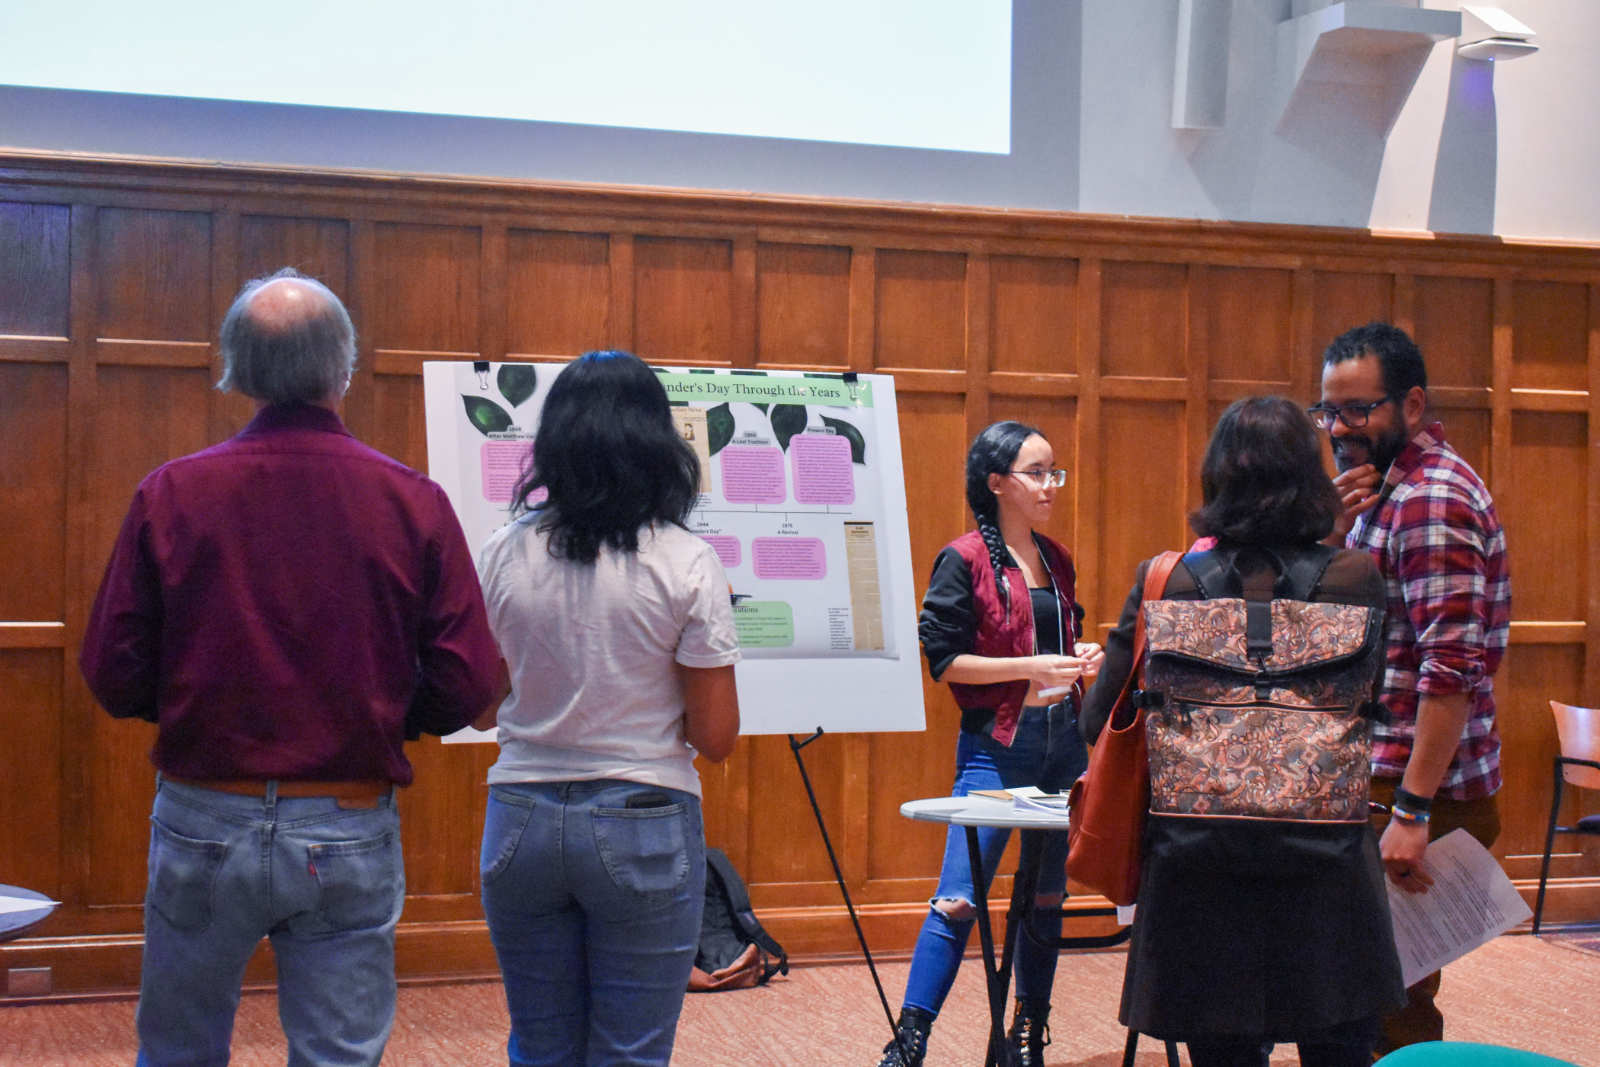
1352, 450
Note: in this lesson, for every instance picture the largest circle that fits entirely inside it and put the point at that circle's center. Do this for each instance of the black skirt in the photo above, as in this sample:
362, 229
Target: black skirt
1257, 950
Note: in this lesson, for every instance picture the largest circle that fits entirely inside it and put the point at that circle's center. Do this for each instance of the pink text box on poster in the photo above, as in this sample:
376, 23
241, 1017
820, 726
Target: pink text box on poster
501, 463
800, 558
821, 466
753, 474
727, 548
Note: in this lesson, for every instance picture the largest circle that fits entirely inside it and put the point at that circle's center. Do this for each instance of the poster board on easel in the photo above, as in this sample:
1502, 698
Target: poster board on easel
802, 496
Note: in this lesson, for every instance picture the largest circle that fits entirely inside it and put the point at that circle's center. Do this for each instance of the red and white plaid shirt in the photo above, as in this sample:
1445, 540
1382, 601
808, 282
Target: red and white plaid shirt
1439, 544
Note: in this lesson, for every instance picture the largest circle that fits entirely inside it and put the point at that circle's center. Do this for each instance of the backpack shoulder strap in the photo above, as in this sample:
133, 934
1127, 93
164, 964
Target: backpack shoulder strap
1303, 571
733, 887
1214, 573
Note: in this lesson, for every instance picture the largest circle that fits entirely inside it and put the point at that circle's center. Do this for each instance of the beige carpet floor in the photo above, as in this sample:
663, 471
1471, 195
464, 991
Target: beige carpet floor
1518, 991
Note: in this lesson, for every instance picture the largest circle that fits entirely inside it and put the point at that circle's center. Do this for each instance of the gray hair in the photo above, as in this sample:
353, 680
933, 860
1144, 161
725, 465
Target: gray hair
297, 345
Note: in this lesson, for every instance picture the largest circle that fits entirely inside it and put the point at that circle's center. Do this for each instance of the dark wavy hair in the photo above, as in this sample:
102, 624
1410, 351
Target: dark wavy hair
610, 457
1262, 480
993, 452
1399, 358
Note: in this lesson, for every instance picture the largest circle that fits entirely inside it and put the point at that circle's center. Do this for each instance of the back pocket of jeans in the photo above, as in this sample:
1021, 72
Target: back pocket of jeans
361, 883
182, 877
504, 824
645, 850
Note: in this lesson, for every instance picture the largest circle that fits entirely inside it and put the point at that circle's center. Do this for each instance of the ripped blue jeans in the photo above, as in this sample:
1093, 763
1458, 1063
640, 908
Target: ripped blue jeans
983, 763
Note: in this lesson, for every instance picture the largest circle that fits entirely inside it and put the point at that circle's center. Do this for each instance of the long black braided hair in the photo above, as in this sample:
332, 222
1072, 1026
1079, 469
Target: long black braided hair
993, 452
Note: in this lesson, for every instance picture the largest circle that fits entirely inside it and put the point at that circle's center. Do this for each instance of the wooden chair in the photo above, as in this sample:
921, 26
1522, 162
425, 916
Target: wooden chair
1579, 765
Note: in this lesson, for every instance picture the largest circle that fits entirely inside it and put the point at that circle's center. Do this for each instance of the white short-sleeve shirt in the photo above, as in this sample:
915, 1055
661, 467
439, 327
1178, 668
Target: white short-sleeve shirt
592, 649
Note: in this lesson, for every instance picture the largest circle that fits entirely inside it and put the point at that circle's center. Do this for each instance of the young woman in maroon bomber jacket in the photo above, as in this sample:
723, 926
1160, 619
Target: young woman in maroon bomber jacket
1000, 625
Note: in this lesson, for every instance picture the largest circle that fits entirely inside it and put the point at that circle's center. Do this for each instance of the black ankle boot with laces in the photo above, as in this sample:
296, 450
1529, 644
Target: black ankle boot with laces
1030, 1032
911, 1043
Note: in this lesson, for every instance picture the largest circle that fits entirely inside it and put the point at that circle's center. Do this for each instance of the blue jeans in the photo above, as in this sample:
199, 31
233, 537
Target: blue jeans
324, 882
983, 763
594, 909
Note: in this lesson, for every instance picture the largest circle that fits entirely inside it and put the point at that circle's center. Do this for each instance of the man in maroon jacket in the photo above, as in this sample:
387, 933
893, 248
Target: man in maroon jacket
287, 606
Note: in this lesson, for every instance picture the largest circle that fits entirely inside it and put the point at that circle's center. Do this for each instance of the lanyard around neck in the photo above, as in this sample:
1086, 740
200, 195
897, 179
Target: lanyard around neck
1055, 591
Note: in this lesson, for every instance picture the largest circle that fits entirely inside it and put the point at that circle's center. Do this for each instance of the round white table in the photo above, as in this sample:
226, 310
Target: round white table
975, 811
14, 923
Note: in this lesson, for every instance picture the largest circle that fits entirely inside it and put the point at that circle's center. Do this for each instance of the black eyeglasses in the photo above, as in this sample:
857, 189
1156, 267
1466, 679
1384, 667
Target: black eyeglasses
1353, 416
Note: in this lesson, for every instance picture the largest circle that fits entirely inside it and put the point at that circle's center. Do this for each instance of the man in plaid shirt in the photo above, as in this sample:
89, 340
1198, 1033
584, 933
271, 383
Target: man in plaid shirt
1428, 520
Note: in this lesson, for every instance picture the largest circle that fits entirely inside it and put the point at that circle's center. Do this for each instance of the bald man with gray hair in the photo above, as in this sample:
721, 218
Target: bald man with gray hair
288, 607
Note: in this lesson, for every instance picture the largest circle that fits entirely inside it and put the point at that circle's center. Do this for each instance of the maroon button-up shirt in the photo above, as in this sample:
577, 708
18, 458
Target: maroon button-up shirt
285, 604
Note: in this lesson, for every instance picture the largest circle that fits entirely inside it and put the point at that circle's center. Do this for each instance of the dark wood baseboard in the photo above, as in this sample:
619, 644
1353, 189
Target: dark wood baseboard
102, 966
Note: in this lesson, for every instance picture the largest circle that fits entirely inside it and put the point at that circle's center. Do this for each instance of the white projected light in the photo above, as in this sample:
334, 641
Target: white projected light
906, 73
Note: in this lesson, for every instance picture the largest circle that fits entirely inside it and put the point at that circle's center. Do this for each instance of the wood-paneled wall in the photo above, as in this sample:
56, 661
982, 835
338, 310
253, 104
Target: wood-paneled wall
1122, 338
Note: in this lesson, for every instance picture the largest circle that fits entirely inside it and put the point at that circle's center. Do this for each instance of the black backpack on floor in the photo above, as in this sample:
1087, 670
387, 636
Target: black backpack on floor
735, 952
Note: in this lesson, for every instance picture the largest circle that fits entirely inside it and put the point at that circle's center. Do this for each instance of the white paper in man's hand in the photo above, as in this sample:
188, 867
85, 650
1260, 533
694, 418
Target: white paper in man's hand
1470, 903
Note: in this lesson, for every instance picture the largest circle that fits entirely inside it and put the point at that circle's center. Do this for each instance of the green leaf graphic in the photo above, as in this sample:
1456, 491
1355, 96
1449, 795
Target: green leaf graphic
516, 383
487, 416
787, 420
719, 428
759, 407
858, 444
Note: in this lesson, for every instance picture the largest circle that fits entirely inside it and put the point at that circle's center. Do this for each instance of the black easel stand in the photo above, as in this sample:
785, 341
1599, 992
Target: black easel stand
838, 876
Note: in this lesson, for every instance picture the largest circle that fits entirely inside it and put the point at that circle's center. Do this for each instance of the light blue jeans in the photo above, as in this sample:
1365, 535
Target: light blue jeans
324, 882
594, 909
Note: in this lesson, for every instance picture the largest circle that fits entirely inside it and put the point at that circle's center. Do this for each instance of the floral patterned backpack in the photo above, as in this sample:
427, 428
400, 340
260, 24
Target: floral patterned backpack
1259, 711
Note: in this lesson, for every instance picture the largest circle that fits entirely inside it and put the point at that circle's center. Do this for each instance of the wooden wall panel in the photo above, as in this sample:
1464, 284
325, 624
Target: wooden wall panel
1033, 315
30, 762
1453, 329
34, 269
802, 305
683, 300
921, 299
1551, 332
1343, 300
152, 264
426, 288
1248, 318
318, 247
129, 444
784, 846
441, 826
121, 785
1121, 341
399, 429
1532, 675
1144, 320
1549, 453
1146, 468
559, 292
1468, 431
33, 491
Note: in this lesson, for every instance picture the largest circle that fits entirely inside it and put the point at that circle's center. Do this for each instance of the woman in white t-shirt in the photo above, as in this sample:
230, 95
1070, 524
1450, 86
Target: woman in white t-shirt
617, 631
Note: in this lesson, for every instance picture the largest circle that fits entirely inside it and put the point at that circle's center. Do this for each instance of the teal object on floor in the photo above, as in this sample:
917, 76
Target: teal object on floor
1466, 1054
